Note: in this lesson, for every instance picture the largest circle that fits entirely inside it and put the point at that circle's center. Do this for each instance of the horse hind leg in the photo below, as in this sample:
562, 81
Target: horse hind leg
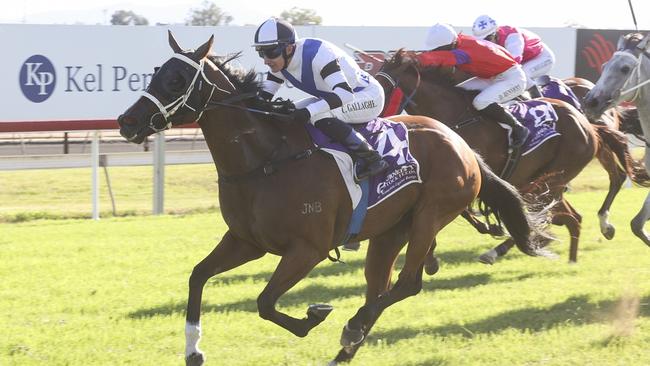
490, 257
228, 254
431, 262
409, 282
380, 260
293, 267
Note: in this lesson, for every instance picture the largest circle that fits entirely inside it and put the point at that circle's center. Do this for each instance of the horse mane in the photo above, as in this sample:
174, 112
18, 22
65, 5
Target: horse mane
246, 81
440, 75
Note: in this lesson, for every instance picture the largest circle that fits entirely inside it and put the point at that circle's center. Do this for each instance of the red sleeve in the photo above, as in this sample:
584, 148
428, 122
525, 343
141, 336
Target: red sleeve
437, 58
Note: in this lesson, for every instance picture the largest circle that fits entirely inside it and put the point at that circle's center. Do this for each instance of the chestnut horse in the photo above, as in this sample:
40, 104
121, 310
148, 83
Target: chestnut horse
432, 92
269, 170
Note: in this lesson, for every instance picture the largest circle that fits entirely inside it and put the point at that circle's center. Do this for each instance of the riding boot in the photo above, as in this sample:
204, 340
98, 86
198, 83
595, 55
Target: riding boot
368, 160
535, 92
497, 113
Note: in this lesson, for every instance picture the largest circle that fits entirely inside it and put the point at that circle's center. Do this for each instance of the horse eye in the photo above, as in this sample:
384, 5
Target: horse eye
176, 83
625, 69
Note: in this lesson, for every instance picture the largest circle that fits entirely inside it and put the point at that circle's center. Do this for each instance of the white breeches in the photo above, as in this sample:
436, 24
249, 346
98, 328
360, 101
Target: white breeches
499, 89
538, 66
365, 106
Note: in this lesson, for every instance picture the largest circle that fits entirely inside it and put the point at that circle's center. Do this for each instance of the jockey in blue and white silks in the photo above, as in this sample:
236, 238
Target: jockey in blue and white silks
341, 92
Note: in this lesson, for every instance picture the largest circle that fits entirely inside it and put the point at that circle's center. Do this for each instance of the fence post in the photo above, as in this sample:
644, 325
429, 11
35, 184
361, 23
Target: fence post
159, 174
94, 163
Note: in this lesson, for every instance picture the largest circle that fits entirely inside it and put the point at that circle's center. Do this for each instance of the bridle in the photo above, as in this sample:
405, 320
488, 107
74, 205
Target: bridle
394, 85
636, 70
199, 81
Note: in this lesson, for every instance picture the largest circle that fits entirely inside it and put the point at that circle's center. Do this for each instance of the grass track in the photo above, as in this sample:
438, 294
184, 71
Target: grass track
113, 292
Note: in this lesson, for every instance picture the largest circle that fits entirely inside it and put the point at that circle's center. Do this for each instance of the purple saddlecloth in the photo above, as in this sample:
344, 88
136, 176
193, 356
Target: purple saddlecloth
390, 139
556, 89
539, 117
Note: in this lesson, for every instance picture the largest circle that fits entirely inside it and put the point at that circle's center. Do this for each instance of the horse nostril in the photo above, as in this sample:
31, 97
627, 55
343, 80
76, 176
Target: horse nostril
126, 120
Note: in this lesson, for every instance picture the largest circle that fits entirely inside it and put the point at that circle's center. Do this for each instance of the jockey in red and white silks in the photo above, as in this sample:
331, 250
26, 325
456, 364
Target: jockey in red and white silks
535, 57
497, 76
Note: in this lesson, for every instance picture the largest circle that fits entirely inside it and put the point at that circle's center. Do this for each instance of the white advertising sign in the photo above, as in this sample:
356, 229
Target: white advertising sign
61, 77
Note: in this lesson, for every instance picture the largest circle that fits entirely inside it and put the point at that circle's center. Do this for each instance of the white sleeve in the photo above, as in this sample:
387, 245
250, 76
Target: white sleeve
515, 45
326, 63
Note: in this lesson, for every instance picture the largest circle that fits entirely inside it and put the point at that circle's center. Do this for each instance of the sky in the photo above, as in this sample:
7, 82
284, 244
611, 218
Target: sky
607, 14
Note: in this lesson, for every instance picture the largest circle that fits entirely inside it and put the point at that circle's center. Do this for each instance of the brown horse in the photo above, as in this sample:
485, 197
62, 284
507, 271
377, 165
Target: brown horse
432, 92
269, 171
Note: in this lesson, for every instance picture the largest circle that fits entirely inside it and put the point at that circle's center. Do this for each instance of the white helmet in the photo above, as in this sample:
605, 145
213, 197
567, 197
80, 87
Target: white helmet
439, 35
484, 26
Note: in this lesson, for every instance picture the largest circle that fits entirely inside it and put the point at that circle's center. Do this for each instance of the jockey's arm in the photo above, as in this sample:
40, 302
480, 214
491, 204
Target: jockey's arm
515, 45
341, 92
270, 86
443, 58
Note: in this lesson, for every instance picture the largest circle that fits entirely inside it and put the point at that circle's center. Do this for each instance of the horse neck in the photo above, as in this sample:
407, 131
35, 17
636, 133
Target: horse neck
642, 101
441, 102
238, 140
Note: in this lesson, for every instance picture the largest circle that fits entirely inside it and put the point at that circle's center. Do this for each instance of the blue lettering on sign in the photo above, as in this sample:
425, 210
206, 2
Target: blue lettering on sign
37, 78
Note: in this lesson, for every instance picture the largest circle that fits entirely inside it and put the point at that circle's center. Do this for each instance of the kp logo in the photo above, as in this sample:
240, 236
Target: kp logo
37, 78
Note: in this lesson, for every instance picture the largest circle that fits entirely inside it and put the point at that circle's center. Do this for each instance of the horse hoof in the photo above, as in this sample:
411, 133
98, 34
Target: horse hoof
195, 359
486, 258
351, 337
352, 246
318, 312
609, 232
431, 267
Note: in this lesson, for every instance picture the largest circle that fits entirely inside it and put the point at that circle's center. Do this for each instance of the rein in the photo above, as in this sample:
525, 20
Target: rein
394, 83
637, 71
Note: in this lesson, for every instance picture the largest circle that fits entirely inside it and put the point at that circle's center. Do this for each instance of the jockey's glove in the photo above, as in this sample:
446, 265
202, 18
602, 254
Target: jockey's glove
301, 115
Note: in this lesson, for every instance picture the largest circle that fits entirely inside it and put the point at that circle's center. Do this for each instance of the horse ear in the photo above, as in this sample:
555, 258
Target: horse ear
205, 48
172, 42
620, 45
644, 42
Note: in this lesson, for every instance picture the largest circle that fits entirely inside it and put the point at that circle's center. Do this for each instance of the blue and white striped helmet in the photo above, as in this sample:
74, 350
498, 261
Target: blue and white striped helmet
274, 31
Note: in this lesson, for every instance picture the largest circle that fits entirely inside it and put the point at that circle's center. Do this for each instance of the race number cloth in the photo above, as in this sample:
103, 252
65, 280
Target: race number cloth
539, 117
557, 89
390, 139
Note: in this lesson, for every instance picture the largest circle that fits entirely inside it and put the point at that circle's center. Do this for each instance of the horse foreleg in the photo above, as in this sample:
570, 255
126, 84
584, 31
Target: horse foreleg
616, 179
639, 221
228, 254
294, 266
566, 215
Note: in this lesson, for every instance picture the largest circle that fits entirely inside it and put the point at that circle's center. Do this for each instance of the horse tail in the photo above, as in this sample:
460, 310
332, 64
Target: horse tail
500, 199
615, 142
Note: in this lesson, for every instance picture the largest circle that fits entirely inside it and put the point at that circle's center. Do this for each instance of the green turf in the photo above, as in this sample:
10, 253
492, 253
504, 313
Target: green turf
113, 292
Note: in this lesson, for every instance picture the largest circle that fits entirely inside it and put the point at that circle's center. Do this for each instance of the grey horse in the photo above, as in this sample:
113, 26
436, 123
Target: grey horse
626, 78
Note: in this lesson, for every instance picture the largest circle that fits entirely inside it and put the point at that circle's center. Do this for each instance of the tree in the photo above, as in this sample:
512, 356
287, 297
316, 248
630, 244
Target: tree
127, 17
300, 16
208, 14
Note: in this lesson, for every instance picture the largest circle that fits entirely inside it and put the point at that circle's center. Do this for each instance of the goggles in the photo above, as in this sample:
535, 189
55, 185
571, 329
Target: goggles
270, 52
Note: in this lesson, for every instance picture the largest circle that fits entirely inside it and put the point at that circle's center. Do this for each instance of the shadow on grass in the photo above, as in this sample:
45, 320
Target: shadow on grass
577, 310
324, 269
327, 268
314, 293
